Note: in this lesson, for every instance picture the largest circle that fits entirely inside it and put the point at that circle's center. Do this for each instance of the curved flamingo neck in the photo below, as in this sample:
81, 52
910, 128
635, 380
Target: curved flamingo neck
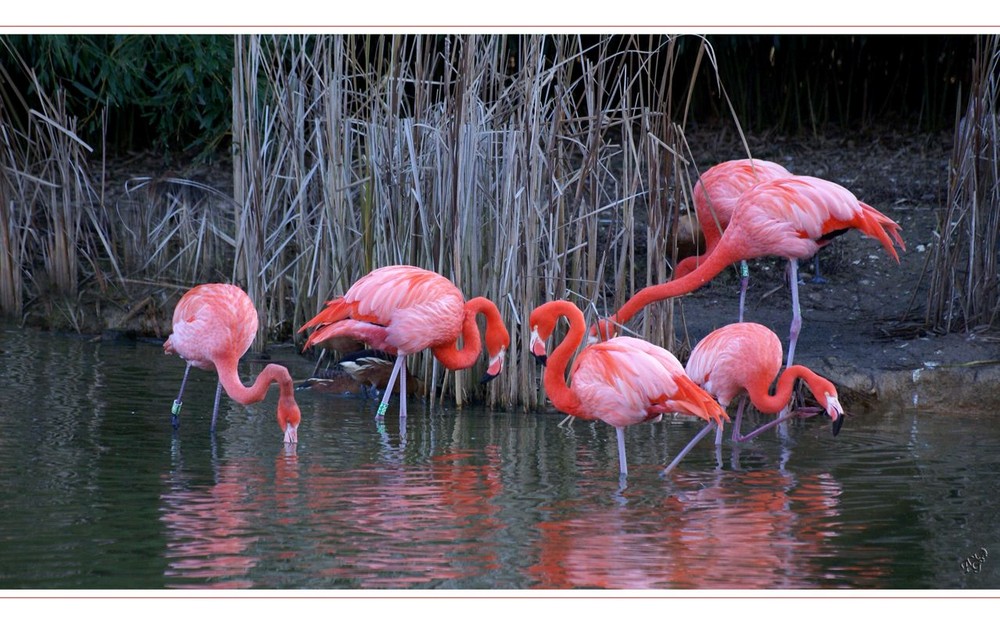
230, 379
710, 266
563, 398
454, 358
768, 403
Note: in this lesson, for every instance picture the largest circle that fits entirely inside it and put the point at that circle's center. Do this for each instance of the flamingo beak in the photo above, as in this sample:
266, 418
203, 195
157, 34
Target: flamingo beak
837, 424
494, 367
836, 412
538, 347
291, 434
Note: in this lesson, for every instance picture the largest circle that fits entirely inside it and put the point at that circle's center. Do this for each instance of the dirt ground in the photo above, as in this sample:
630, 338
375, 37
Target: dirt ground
864, 327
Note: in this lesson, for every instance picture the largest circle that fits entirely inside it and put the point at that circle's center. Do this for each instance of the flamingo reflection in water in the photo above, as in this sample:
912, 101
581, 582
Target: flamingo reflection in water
409, 525
212, 529
763, 529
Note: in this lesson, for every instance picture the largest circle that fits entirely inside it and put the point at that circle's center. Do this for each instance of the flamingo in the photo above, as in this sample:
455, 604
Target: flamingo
745, 358
791, 217
715, 196
404, 309
213, 326
622, 381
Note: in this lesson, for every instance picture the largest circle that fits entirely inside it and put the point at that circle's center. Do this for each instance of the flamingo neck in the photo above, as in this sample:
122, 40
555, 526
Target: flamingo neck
288, 413
710, 266
768, 403
455, 358
562, 396
229, 377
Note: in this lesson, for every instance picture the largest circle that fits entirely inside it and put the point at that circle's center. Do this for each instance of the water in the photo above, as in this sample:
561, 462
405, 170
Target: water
100, 493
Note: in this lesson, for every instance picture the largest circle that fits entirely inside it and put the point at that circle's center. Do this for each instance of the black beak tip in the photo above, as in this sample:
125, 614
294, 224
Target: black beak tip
541, 359
837, 424
486, 378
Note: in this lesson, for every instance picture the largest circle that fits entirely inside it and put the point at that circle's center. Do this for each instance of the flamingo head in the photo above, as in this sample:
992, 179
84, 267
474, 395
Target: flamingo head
537, 344
495, 365
497, 343
835, 411
289, 418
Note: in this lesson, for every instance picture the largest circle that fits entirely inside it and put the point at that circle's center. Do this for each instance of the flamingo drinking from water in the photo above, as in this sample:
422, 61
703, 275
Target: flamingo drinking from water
745, 358
213, 326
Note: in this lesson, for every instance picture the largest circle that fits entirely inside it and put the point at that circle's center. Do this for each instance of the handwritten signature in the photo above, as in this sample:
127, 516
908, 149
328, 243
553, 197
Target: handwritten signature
974, 562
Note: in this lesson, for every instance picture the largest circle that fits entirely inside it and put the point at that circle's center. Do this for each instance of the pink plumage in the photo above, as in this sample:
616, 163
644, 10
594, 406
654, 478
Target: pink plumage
623, 381
404, 309
213, 326
715, 196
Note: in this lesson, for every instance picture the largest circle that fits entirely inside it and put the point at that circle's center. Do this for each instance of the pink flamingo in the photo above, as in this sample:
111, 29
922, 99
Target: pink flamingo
623, 381
715, 196
745, 358
213, 326
404, 309
791, 217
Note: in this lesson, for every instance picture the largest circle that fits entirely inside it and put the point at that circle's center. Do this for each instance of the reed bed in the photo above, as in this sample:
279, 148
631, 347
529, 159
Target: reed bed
964, 291
51, 213
524, 168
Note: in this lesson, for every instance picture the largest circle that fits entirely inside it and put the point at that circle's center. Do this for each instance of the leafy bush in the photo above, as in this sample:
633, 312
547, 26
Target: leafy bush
171, 92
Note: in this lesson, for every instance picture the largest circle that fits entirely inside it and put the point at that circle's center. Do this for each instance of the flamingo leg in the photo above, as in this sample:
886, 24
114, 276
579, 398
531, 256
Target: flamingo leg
690, 445
782, 417
402, 392
384, 405
175, 409
215, 409
793, 334
622, 464
817, 278
739, 419
744, 283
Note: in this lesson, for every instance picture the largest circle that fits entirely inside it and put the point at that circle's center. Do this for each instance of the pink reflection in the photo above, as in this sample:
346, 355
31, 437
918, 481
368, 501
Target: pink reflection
210, 528
406, 525
757, 530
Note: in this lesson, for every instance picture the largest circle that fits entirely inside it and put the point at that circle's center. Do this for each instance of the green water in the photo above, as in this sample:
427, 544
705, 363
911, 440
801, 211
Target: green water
100, 493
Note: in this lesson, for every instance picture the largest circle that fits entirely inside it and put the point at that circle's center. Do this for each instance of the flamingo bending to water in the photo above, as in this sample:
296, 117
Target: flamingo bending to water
791, 217
403, 309
715, 196
213, 326
623, 381
745, 358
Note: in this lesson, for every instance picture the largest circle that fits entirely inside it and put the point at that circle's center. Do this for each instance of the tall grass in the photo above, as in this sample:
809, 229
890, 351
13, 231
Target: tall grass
964, 290
51, 212
524, 168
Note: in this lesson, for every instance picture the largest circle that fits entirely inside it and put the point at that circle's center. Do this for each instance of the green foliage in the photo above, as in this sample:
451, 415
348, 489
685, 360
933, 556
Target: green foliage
171, 92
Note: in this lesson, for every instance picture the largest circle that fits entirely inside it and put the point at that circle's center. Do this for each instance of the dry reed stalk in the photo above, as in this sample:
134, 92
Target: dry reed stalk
519, 167
965, 286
